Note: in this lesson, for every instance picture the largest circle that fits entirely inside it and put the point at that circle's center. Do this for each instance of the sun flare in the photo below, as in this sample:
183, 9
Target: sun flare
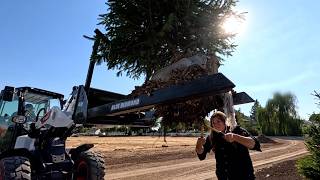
233, 25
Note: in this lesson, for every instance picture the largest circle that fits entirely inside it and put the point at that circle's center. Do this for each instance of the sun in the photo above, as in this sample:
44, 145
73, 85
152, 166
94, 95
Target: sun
233, 25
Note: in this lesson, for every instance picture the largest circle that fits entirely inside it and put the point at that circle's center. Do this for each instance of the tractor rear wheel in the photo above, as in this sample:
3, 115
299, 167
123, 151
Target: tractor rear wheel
15, 168
89, 166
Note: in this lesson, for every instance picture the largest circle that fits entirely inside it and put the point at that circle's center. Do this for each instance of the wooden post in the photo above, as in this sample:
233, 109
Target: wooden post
202, 130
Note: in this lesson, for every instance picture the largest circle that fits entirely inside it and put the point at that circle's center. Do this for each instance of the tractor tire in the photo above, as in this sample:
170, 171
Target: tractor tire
89, 166
15, 168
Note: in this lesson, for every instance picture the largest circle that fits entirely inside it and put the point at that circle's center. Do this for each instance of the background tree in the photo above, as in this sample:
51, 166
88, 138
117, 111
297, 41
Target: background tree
144, 36
314, 118
264, 121
253, 112
310, 165
279, 117
246, 122
317, 95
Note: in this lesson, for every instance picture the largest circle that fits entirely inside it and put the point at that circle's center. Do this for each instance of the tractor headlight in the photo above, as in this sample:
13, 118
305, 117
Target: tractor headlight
19, 119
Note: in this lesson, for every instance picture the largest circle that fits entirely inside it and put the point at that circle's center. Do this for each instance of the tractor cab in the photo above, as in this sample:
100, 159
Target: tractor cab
19, 107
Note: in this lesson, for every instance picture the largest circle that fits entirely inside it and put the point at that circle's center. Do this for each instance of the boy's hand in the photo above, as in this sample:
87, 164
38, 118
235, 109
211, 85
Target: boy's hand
229, 137
200, 142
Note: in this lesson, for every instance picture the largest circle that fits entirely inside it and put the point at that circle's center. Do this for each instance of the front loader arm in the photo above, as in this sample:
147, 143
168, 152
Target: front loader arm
208, 85
128, 110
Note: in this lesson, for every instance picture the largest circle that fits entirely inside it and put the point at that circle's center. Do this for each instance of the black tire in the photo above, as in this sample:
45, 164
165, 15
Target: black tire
89, 166
15, 168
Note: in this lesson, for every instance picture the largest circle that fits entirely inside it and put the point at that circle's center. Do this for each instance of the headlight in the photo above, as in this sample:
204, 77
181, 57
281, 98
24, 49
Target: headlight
19, 119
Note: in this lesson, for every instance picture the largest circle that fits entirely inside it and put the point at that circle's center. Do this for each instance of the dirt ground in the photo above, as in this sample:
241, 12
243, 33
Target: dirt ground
284, 170
143, 157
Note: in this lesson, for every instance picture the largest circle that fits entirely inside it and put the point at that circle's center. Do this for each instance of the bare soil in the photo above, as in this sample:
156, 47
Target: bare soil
145, 157
286, 170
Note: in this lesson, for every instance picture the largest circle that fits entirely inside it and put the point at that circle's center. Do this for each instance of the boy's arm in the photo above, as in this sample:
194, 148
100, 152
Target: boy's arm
203, 147
246, 141
244, 138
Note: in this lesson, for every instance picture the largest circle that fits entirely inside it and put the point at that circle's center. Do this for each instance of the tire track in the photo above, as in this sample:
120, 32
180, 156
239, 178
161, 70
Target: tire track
256, 165
197, 169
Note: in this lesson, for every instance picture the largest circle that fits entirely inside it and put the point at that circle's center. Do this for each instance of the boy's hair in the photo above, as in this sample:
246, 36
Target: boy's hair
219, 114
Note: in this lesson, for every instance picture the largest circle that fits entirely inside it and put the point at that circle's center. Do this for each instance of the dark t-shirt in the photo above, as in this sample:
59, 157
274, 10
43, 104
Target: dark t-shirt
233, 161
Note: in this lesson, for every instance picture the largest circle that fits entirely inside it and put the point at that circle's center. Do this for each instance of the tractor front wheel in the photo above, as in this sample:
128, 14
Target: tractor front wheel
15, 168
89, 166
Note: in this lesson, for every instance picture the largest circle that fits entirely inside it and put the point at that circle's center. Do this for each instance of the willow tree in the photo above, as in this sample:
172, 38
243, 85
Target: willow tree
279, 117
144, 36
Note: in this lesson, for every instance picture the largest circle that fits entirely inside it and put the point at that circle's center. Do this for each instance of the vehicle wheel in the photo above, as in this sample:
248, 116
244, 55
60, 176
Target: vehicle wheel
15, 168
89, 166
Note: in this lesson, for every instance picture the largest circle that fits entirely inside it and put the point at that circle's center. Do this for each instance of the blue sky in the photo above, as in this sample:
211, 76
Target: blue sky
41, 45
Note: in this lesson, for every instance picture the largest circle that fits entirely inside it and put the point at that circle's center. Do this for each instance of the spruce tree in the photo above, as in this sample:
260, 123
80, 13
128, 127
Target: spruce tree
310, 165
144, 36
253, 112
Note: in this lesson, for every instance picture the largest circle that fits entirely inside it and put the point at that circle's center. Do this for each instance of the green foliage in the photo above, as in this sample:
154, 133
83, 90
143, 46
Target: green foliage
144, 36
264, 121
315, 118
254, 109
279, 117
317, 95
310, 165
83, 129
247, 123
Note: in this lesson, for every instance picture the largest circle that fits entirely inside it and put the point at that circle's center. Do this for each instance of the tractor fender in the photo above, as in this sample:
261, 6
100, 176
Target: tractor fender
74, 152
